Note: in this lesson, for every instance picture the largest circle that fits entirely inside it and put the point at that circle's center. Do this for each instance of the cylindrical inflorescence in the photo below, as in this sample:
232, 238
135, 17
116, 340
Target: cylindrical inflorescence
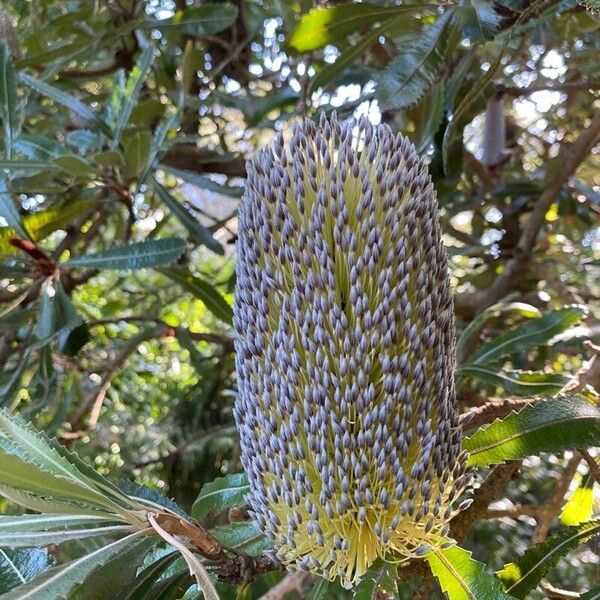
345, 350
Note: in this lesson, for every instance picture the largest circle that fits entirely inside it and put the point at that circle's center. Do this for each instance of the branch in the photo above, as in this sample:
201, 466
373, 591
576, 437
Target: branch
569, 157
568, 86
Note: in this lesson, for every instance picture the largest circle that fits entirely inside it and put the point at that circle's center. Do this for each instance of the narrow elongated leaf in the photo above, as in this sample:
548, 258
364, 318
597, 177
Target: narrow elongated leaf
113, 579
479, 19
8, 210
203, 182
242, 537
462, 577
41, 224
150, 253
329, 24
222, 493
202, 20
47, 522
8, 97
70, 102
523, 575
591, 595
204, 291
521, 383
45, 538
529, 335
29, 463
132, 90
158, 139
555, 425
137, 150
20, 566
77, 166
59, 582
38, 147
57, 313
521, 309
197, 232
408, 77
580, 506
143, 583
380, 581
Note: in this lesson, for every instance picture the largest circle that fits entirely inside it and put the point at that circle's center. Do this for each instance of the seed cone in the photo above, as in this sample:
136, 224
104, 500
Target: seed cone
345, 351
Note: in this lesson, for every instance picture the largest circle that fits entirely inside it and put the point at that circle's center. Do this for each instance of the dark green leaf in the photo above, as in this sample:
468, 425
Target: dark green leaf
329, 24
59, 582
37, 147
203, 182
8, 210
70, 102
529, 335
591, 595
408, 77
132, 91
20, 566
113, 579
76, 166
324, 590
204, 291
479, 19
143, 583
197, 232
222, 493
242, 537
520, 383
57, 312
137, 150
380, 582
462, 577
523, 575
202, 20
561, 423
40, 225
142, 255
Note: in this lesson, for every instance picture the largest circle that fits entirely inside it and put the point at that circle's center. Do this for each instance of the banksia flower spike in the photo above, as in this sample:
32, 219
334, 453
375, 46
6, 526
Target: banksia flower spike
345, 351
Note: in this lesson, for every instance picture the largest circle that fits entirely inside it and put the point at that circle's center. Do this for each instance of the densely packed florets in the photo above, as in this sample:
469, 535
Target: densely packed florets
345, 350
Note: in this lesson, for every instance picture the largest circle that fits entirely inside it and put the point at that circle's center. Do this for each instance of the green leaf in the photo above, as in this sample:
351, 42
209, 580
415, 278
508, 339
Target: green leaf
76, 166
57, 313
523, 575
131, 93
324, 590
113, 580
203, 182
70, 102
37, 147
242, 537
203, 20
329, 24
520, 383
580, 506
380, 582
137, 150
462, 577
29, 463
158, 138
59, 582
20, 566
204, 291
8, 210
591, 595
529, 335
479, 19
8, 97
408, 77
40, 225
142, 255
555, 425
143, 583
527, 311
197, 232
224, 492
40, 530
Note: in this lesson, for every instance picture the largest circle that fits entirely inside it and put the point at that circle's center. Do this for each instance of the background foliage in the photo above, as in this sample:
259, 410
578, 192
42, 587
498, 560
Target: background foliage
126, 125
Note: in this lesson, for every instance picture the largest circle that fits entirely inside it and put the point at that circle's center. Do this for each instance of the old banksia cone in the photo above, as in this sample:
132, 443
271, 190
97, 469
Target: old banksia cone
345, 351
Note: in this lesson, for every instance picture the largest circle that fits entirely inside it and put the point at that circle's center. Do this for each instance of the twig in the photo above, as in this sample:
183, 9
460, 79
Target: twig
593, 466
553, 506
570, 157
293, 583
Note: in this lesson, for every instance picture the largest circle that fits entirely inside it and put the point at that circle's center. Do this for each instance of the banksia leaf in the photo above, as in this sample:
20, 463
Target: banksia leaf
345, 351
